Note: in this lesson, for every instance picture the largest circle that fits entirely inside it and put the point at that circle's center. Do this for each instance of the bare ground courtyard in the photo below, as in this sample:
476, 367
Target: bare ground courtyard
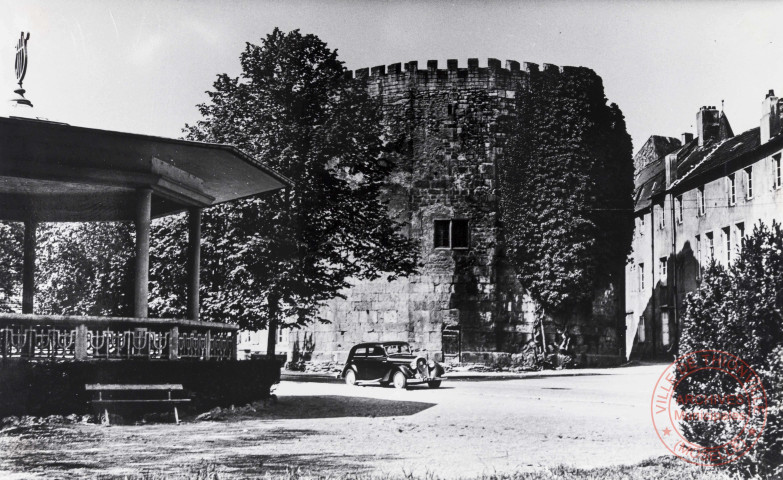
582, 418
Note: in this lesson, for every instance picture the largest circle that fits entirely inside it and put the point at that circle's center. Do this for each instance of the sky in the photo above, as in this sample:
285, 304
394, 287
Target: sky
143, 66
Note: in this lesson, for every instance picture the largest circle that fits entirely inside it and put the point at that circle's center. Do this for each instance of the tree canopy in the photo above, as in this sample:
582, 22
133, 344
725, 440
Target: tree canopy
11, 235
268, 258
85, 269
566, 188
280, 256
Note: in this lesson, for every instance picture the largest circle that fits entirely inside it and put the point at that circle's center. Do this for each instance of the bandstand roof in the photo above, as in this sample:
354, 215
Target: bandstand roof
56, 172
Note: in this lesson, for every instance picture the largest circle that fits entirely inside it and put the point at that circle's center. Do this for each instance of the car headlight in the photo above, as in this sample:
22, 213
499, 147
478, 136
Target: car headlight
431, 364
413, 364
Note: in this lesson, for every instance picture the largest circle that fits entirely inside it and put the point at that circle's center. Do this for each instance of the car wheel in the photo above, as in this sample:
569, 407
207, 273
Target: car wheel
400, 381
433, 383
350, 377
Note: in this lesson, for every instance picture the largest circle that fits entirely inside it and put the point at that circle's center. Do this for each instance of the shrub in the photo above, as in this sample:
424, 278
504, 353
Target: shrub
738, 310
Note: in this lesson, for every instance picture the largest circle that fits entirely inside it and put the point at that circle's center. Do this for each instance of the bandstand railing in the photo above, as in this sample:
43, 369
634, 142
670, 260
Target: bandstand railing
71, 337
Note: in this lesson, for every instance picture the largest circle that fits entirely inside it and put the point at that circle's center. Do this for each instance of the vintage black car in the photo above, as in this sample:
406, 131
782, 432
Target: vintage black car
390, 362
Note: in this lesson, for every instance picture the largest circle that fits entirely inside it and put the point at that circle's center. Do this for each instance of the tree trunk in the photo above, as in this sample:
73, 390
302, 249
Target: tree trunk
271, 328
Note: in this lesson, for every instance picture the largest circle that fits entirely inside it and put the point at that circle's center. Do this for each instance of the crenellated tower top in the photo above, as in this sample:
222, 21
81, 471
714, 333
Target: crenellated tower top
494, 70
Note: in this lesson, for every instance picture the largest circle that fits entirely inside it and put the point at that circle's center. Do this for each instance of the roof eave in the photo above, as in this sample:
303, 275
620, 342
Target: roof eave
746, 158
287, 182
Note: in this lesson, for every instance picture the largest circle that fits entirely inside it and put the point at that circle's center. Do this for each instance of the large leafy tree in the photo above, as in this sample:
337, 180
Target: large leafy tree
81, 268
10, 264
85, 269
277, 257
567, 184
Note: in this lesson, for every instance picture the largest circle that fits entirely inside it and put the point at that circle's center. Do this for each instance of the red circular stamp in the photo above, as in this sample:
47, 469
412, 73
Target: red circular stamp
709, 408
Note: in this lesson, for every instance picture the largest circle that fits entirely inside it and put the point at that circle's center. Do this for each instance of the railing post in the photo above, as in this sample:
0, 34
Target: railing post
29, 345
234, 345
174, 343
80, 348
208, 337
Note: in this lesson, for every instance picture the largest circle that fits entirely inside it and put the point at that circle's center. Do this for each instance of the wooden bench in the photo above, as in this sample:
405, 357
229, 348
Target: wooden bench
111, 388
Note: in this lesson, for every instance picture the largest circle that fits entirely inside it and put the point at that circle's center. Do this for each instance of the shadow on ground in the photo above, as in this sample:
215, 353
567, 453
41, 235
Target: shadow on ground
87, 451
461, 377
324, 464
335, 406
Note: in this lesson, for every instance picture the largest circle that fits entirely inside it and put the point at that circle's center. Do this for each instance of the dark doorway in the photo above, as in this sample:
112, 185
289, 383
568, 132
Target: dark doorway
452, 344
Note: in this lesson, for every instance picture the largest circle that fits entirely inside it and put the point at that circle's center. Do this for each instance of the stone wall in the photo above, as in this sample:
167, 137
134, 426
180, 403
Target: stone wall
447, 139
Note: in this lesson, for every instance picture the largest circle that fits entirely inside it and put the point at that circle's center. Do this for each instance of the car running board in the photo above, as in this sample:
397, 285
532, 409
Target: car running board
380, 379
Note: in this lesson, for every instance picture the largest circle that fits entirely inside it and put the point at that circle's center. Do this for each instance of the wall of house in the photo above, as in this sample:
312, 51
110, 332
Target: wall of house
721, 218
691, 250
252, 343
647, 298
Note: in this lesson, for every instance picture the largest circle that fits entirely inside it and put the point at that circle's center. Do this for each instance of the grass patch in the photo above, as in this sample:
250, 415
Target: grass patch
661, 468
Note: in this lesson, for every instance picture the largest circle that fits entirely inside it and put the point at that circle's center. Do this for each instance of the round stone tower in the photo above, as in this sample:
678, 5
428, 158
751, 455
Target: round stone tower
446, 139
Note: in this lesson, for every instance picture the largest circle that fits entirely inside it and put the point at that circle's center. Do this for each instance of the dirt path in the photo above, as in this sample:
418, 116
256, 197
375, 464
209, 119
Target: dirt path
594, 418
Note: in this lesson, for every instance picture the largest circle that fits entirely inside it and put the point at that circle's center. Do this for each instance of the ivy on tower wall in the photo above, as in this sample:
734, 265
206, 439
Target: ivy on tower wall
566, 188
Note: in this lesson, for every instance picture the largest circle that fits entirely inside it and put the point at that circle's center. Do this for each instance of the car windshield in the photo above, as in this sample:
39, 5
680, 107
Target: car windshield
398, 349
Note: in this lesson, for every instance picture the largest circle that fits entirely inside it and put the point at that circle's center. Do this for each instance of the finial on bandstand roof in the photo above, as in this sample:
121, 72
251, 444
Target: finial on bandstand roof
20, 65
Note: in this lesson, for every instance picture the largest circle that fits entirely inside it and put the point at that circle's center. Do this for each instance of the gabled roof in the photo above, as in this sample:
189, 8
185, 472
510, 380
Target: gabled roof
649, 161
697, 165
646, 191
693, 161
654, 149
724, 130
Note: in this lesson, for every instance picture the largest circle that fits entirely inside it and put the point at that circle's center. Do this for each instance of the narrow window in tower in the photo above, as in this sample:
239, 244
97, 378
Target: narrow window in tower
711, 245
662, 268
662, 217
749, 183
732, 189
441, 239
453, 234
460, 234
776, 179
740, 234
698, 254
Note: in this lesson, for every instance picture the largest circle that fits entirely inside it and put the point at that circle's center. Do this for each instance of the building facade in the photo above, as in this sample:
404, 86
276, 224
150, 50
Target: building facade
465, 303
696, 197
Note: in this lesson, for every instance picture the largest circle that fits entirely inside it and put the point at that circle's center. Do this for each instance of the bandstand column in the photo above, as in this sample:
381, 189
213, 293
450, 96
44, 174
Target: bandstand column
142, 264
194, 261
28, 266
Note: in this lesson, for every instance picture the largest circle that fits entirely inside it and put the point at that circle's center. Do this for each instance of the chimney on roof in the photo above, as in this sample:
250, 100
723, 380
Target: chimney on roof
770, 117
686, 138
671, 168
707, 124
